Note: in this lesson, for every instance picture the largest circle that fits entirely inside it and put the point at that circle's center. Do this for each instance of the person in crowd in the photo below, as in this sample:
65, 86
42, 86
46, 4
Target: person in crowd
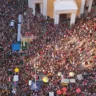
56, 48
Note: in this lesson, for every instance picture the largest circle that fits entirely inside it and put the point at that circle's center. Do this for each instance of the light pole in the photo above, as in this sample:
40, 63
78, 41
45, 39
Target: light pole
35, 77
35, 62
35, 85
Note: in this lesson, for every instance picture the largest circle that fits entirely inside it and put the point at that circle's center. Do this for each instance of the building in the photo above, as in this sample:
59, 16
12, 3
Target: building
53, 8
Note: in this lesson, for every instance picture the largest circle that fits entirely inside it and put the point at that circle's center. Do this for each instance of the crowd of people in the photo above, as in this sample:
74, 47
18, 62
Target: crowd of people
57, 49
9, 10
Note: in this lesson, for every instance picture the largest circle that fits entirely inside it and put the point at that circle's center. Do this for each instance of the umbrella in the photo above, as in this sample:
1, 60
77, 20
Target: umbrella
59, 92
16, 70
45, 79
59, 73
78, 90
64, 89
71, 74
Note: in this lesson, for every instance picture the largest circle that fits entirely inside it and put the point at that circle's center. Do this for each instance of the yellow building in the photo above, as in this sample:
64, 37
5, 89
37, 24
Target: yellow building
50, 7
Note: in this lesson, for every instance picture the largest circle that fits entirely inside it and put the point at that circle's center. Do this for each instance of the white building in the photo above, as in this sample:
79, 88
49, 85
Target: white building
53, 8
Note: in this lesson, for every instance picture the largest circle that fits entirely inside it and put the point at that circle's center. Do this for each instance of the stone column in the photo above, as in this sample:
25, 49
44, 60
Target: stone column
56, 18
29, 3
71, 20
90, 5
45, 8
33, 7
82, 7
73, 17
87, 3
41, 8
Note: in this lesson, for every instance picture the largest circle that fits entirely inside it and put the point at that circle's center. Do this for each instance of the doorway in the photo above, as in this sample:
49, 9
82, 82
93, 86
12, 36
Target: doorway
37, 8
64, 18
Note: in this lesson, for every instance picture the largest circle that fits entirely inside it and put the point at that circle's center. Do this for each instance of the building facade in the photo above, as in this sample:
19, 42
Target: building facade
47, 7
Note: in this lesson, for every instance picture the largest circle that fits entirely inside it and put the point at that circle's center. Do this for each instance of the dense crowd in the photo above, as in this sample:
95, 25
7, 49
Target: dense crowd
57, 48
9, 10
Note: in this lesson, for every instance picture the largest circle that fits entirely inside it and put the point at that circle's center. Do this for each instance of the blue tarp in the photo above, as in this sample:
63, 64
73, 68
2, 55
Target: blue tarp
36, 86
15, 47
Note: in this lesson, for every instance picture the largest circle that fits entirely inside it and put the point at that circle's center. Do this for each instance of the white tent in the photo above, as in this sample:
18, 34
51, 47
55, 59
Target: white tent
65, 7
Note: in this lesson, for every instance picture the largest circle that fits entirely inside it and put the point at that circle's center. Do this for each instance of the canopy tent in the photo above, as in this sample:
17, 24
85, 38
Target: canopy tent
65, 7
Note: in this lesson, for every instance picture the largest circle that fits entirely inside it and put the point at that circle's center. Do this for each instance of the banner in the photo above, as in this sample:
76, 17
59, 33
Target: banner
15, 78
51, 93
72, 81
36, 86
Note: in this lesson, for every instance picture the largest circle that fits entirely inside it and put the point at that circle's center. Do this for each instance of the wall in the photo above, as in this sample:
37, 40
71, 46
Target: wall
79, 6
50, 8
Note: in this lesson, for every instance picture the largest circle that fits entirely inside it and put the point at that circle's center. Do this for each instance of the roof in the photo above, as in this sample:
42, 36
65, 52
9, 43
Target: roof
65, 5
36, 1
